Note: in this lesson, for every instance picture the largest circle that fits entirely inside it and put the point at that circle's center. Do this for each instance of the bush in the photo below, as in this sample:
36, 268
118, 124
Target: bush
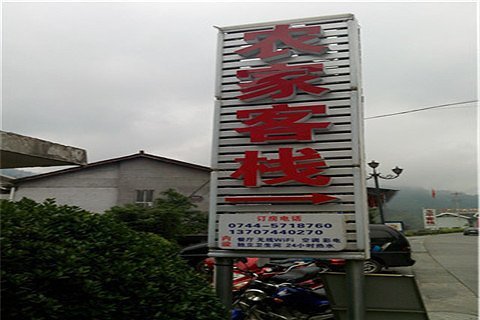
424, 232
171, 216
60, 262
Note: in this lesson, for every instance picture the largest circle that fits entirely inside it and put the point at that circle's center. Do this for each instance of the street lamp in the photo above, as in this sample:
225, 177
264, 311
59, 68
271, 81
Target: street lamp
375, 175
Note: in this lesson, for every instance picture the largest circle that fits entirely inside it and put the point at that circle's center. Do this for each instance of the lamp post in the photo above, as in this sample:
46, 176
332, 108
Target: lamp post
375, 175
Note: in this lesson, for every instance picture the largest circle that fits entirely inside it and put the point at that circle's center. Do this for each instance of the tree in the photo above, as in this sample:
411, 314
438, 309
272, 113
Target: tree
171, 216
374, 215
60, 262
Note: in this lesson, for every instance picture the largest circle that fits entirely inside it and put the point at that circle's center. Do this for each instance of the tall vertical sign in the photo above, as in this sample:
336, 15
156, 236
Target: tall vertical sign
430, 218
288, 165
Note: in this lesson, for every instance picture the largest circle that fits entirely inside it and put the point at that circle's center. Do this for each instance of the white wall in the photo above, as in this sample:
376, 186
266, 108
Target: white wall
99, 188
90, 199
451, 222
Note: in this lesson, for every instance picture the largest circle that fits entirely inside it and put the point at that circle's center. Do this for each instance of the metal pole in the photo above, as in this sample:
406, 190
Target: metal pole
224, 280
12, 194
379, 196
355, 290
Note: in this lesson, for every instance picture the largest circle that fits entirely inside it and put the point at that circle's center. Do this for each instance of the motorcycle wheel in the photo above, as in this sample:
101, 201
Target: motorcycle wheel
254, 313
322, 317
371, 266
259, 312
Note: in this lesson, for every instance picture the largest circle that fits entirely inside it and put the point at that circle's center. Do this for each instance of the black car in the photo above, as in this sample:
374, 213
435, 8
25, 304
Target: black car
390, 248
470, 230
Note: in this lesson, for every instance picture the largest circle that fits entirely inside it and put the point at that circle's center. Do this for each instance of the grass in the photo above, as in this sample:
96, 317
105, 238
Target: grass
425, 232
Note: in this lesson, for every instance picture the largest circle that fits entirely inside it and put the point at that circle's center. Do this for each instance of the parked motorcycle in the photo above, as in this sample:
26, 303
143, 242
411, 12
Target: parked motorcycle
296, 294
281, 289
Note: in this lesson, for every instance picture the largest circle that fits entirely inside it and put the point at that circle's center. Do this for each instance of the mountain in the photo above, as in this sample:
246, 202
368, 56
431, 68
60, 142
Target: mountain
408, 203
15, 173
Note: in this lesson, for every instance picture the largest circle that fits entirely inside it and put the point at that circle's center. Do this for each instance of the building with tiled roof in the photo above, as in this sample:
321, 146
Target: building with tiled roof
139, 178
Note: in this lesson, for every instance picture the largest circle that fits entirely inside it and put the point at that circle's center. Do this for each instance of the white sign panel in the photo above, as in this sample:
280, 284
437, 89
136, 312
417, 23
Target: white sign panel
317, 232
288, 136
430, 218
395, 225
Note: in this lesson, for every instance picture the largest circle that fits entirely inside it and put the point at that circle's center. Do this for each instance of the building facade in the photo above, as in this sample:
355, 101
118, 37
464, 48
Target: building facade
139, 178
456, 220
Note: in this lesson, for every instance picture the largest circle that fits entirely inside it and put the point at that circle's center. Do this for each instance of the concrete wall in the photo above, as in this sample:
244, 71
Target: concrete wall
17, 151
147, 174
94, 189
100, 188
451, 222
91, 199
4, 196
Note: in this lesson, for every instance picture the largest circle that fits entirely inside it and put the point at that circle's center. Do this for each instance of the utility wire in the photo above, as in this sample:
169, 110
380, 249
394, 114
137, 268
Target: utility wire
420, 109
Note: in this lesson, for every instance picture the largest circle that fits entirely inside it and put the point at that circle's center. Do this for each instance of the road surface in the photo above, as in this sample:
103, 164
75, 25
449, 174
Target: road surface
447, 275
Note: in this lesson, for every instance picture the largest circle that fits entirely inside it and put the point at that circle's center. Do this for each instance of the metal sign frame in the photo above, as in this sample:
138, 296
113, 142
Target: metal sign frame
387, 296
343, 41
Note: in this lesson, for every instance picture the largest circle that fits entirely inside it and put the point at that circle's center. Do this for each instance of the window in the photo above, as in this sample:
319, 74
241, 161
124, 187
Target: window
144, 198
380, 237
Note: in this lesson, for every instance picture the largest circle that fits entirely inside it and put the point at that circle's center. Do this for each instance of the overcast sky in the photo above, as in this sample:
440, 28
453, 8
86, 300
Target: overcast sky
116, 78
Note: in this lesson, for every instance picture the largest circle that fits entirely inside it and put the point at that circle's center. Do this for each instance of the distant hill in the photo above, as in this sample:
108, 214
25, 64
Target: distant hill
408, 203
16, 173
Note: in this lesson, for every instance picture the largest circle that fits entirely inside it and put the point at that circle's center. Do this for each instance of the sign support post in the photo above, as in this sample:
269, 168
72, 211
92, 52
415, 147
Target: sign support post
355, 290
224, 280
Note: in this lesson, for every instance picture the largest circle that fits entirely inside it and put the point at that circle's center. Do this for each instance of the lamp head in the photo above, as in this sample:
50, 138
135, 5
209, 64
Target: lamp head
397, 170
373, 164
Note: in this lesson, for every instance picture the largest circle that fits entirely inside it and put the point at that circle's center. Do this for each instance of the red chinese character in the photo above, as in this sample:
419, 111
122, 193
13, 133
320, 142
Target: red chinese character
270, 45
251, 164
281, 123
284, 218
261, 218
272, 218
280, 81
304, 168
296, 218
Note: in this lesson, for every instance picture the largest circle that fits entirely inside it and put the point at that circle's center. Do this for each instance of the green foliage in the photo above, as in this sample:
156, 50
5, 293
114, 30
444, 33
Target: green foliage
374, 215
424, 232
60, 262
171, 216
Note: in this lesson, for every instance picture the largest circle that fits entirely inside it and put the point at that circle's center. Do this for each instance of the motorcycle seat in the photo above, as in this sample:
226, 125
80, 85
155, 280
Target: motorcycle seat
282, 261
296, 275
